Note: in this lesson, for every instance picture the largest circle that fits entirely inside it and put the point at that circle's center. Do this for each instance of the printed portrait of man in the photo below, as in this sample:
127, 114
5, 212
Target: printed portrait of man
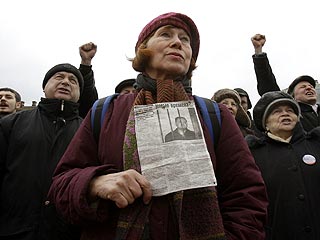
181, 132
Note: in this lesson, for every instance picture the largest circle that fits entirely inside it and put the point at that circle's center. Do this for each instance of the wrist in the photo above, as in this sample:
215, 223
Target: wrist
92, 195
86, 62
258, 50
259, 54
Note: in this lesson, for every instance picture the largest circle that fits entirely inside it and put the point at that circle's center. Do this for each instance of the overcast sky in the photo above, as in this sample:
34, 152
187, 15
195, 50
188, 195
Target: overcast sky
38, 34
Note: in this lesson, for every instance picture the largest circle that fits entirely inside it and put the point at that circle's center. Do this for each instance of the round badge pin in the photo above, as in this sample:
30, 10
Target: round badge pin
309, 159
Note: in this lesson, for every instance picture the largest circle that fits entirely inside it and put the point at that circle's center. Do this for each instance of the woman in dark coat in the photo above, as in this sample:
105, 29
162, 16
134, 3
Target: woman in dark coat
288, 158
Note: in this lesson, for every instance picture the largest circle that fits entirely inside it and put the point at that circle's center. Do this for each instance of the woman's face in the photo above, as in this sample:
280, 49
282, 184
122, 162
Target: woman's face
231, 104
171, 53
282, 120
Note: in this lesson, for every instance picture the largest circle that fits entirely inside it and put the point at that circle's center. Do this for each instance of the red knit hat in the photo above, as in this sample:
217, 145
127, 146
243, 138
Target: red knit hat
175, 19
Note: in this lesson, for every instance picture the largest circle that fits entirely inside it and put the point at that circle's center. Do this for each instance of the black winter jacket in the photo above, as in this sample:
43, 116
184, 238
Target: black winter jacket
32, 142
292, 185
309, 118
266, 81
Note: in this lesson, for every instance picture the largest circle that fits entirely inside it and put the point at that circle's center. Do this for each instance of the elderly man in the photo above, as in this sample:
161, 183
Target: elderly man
302, 89
10, 101
32, 142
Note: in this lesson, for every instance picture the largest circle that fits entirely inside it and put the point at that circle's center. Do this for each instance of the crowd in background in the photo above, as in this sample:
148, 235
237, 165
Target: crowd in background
58, 182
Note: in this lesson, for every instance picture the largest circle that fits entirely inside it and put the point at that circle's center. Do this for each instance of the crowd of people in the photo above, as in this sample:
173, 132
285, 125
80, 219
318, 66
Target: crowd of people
57, 181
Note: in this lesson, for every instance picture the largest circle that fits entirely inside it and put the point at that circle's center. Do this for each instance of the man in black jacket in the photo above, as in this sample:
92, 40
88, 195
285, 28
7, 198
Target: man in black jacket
302, 88
32, 142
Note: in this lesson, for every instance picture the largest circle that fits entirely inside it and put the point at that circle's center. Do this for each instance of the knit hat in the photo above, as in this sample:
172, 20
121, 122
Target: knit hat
301, 79
123, 84
243, 93
175, 19
64, 67
266, 104
241, 116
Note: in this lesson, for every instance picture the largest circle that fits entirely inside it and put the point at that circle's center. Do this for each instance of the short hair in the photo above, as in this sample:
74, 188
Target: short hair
180, 117
16, 94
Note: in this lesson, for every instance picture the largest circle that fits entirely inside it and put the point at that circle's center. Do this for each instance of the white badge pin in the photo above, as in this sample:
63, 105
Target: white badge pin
309, 159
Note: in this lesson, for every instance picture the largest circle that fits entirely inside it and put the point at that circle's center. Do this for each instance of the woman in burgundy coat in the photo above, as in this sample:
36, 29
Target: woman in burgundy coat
103, 186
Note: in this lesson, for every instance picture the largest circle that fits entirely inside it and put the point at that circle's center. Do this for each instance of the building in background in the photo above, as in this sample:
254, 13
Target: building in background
24, 107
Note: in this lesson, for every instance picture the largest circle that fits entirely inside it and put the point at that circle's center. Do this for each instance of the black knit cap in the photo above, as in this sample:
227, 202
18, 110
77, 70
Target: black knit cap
125, 83
64, 67
266, 104
243, 93
301, 79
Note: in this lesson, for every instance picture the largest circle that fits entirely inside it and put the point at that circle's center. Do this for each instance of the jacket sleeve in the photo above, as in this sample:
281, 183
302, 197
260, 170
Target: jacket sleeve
89, 94
72, 177
241, 190
3, 151
266, 81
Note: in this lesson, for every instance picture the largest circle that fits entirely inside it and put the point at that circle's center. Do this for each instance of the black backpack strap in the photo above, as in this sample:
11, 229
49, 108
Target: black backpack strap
98, 112
211, 115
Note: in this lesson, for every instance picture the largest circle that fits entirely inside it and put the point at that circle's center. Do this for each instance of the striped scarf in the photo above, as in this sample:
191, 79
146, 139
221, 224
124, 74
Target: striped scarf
196, 211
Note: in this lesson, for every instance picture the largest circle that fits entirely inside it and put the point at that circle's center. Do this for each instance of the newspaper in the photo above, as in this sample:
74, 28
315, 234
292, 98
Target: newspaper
172, 151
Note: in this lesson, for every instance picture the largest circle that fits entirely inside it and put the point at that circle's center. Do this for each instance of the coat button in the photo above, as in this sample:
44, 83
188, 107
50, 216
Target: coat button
301, 197
46, 203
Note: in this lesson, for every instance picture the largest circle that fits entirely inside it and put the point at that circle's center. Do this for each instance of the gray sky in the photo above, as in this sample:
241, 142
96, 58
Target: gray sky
38, 34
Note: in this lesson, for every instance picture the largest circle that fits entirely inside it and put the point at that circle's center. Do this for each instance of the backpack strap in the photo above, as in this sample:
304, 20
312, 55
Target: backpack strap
211, 115
98, 111
209, 110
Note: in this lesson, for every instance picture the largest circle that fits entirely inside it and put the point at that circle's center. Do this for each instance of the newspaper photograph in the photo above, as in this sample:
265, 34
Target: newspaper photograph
172, 150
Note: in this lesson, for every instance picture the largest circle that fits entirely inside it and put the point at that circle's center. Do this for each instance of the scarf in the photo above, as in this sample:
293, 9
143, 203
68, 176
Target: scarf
196, 211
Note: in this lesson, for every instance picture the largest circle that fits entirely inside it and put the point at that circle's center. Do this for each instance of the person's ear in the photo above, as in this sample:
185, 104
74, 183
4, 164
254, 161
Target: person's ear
18, 105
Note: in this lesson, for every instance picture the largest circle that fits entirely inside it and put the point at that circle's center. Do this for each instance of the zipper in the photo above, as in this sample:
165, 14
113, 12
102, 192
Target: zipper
62, 106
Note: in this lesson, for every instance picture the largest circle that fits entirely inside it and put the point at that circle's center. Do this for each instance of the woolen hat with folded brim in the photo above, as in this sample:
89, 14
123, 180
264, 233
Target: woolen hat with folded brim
64, 67
242, 117
301, 79
177, 20
266, 104
125, 83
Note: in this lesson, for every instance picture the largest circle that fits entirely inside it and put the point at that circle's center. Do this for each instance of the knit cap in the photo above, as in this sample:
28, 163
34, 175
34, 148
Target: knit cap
64, 67
241, 116
175, 19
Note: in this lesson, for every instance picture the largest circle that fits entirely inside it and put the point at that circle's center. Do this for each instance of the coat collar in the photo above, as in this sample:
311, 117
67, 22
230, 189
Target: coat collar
54, 108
